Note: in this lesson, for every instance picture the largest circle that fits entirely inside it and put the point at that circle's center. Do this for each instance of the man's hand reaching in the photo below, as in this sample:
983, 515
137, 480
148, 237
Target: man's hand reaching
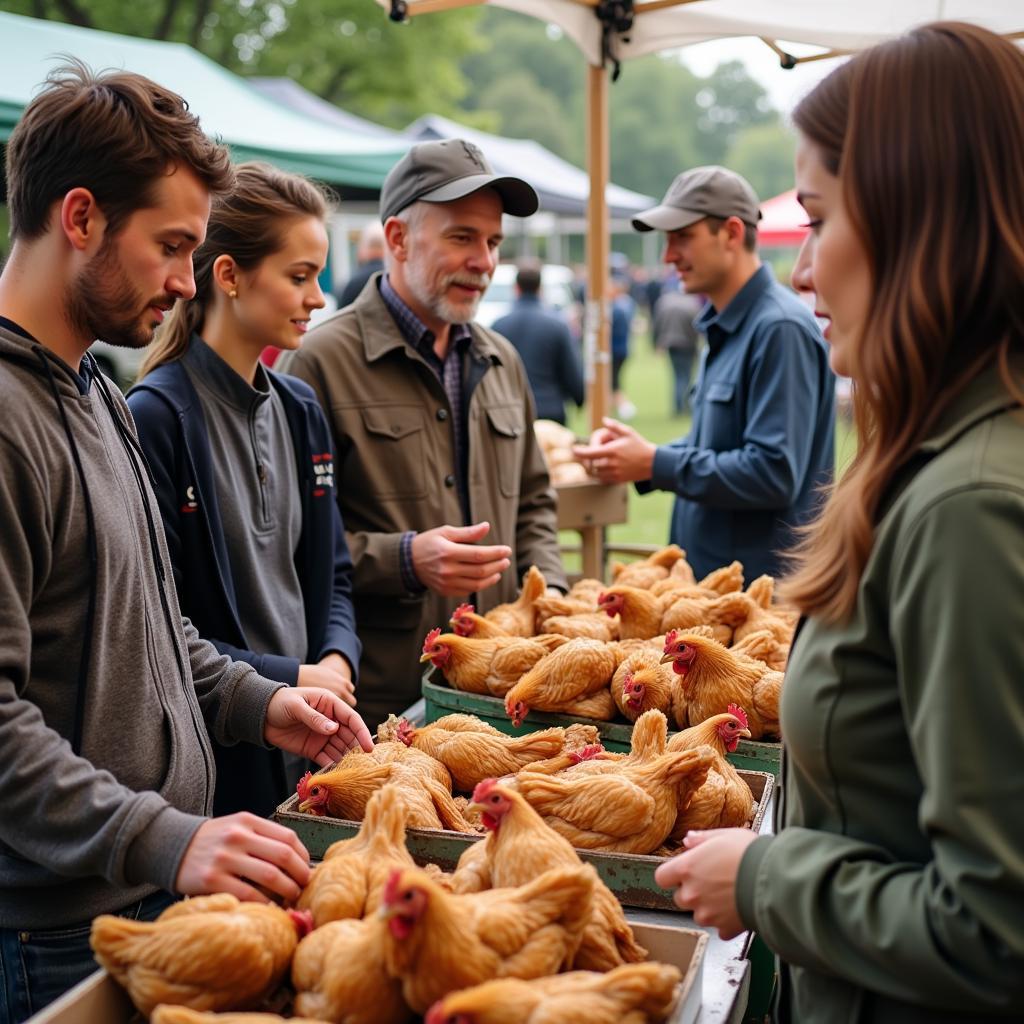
616, 454
448, 560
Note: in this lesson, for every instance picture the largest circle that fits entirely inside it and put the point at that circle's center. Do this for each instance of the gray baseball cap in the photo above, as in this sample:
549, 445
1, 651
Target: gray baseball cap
448, 169
699, 193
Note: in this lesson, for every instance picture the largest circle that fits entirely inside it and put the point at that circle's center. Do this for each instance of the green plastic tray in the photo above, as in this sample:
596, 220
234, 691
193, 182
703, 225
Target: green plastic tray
629, 876
440, 700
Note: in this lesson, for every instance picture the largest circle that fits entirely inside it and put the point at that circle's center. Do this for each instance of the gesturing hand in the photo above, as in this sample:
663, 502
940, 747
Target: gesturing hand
315, 724
448, 561
617, 454
705, 877
332, 673
232, 853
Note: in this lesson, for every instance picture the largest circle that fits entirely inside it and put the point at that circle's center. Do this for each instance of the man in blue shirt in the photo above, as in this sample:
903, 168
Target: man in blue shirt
761, 447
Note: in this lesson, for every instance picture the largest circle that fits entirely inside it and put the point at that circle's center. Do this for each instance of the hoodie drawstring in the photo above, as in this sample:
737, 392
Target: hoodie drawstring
90, 614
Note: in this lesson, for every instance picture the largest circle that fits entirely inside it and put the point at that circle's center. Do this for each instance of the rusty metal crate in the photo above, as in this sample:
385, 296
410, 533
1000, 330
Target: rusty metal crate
630, 876
440, 700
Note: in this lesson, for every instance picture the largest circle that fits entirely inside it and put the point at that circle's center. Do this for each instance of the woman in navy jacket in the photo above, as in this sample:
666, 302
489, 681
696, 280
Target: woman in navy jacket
243, 466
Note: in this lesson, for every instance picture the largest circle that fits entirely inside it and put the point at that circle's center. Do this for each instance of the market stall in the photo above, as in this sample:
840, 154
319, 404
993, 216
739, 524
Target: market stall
611, 32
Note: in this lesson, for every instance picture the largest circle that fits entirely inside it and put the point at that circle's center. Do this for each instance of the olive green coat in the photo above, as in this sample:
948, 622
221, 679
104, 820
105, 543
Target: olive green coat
894, 891
391, 422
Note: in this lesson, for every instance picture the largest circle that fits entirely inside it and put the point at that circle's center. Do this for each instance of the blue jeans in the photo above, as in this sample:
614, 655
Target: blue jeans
38, 966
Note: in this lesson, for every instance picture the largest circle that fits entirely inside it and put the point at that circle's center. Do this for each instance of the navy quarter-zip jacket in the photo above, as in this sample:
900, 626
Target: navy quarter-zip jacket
174, 435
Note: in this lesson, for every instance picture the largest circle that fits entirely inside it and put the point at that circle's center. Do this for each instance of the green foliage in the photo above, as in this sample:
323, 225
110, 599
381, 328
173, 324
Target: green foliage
663, 117
653, 130
521, 108
344, 50
730, 101
486, 66
763, 154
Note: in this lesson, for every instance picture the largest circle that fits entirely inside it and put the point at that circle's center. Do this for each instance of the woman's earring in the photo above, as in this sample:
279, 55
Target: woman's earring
232, 294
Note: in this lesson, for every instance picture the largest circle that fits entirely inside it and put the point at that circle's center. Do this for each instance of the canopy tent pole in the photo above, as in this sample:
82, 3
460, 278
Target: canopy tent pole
596, 339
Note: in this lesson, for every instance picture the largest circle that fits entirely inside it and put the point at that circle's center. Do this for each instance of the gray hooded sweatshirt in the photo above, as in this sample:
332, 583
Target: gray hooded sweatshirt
106, 693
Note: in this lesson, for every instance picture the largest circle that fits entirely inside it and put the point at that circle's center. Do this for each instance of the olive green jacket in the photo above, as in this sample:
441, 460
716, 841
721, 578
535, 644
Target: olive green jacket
390, 418
894, 889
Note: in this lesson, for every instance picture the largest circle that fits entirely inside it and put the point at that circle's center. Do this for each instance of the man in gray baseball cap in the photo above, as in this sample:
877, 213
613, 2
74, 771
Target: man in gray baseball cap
761, 444
699, 193
448, 169
432, 418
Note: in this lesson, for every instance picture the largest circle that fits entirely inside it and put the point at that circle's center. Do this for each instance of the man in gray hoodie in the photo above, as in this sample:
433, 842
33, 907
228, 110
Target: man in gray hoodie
106, 693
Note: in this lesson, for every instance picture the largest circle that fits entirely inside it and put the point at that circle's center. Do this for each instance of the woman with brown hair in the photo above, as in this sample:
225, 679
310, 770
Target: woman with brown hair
242, 463
894, 887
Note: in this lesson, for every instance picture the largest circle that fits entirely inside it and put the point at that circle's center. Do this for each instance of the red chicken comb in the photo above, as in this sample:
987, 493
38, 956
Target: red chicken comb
670, 638
483, 789
735, 709
391, 886
435, 1015
463, 609
627, 682
404, 732
431, 639
303, 921
303, 787
588, 753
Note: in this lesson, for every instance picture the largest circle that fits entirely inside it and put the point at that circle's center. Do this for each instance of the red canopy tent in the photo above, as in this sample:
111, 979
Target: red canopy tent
783, 221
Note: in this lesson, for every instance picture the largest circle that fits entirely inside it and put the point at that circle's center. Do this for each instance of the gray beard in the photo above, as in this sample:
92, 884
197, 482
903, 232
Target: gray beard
417, 279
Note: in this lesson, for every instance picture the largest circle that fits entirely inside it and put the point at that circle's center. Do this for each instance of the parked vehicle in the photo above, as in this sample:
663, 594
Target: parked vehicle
555, 293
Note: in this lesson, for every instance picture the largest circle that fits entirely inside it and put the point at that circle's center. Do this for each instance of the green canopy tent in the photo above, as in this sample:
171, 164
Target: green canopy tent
255, 128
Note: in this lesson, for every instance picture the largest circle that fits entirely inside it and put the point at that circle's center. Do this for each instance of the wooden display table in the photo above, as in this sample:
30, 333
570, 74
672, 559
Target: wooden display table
589, 508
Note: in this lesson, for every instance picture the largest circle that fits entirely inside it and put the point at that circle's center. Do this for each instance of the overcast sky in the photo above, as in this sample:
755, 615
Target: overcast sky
786, 88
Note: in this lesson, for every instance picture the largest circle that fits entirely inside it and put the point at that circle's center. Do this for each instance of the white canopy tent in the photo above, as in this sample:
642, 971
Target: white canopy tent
611, 31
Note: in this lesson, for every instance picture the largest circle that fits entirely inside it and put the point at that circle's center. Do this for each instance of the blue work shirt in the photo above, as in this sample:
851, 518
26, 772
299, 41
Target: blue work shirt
762, 445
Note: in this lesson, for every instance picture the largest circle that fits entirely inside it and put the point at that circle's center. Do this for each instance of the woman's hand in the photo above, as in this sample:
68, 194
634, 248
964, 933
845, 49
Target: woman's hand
314, 724
332, 672
705, 877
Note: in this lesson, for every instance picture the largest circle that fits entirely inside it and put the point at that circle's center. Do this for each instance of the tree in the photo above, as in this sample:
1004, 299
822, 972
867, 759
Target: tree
525, 109
519, 50
730, 101
344, 50
653, 131
763, 154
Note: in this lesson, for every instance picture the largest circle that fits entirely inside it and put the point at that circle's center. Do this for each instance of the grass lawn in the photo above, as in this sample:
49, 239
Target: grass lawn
647, 379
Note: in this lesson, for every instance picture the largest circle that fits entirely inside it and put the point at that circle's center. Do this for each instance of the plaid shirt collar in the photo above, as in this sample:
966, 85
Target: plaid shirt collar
412, 328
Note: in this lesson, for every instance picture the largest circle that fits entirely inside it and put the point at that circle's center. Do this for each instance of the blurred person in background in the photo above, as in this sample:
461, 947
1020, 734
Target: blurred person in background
369, 261
545, 345
241, 458
893, 888
675, 333
623, 309
762, 446
432, 419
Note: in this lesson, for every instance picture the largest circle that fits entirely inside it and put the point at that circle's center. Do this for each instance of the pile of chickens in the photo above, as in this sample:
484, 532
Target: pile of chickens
655, 639
643, 802
429, 764
521, 930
